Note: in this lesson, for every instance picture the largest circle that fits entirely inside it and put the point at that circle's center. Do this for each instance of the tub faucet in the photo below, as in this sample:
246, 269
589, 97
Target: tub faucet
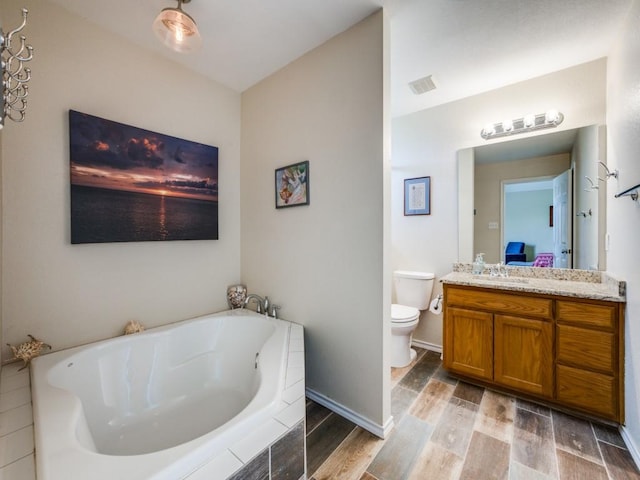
273, 312
259, 302
270, 309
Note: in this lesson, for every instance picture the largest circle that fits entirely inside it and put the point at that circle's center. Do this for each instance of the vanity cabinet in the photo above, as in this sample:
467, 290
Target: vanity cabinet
563, 351
499, 337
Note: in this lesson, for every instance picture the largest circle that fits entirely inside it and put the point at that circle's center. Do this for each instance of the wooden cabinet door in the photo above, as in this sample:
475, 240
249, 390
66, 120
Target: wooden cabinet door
524, 355
468, 342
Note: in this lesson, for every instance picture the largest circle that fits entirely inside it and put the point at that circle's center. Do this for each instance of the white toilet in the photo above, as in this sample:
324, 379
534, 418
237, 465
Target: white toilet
413, 293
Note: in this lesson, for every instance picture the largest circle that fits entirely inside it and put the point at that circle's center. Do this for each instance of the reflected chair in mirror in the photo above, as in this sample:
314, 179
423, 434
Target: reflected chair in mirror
514, 253
543, 260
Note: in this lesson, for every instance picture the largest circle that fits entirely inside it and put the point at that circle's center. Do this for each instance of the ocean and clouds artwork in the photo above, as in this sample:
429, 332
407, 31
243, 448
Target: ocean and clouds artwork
133, 185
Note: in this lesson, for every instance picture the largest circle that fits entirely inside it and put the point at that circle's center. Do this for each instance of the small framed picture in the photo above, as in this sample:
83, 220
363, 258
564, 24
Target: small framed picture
292, 185
417, 196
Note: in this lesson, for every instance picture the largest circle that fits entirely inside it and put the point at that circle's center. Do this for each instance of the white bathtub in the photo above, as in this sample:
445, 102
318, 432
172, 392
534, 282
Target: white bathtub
165, 403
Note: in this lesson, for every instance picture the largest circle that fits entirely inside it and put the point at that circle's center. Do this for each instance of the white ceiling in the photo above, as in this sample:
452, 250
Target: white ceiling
469, 46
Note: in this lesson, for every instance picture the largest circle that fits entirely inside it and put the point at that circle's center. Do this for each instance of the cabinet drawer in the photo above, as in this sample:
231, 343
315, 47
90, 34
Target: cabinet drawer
500, 302
587, 314
584, 348
590, 391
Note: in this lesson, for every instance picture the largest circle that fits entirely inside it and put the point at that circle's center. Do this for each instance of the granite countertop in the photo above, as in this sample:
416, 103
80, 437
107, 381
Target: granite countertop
550, 281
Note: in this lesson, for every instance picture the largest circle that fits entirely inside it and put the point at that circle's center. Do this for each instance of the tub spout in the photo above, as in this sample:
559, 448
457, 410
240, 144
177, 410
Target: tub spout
259, 302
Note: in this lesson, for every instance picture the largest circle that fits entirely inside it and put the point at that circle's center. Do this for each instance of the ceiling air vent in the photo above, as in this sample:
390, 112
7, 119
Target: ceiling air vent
422, 85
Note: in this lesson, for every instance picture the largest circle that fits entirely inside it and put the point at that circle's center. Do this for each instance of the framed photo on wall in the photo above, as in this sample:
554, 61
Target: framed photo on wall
417, 196
292, 185
129, 184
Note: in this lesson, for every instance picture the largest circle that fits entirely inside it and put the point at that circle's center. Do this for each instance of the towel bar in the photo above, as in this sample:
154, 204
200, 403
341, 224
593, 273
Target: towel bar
631, 192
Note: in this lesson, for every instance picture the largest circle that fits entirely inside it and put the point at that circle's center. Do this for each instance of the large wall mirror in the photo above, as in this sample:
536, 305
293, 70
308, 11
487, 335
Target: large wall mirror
541, 194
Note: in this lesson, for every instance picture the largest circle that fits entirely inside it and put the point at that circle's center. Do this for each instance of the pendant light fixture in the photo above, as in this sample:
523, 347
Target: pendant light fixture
177, 30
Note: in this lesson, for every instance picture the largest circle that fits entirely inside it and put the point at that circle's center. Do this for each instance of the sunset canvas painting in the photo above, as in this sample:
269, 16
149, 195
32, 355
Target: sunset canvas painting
133, 185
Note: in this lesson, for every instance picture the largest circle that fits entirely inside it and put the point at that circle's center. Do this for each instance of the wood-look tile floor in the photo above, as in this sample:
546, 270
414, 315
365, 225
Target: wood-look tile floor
448, 429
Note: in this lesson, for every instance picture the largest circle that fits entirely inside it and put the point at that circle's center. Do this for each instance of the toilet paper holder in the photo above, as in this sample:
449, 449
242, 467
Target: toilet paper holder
436, 305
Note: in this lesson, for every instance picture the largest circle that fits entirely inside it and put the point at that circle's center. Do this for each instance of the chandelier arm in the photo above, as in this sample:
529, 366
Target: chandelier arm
21, 111
20, 50
9, 35
13, 74
19, 91
18, 55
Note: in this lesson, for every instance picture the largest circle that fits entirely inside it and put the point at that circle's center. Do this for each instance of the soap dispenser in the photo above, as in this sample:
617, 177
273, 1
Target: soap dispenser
478, 264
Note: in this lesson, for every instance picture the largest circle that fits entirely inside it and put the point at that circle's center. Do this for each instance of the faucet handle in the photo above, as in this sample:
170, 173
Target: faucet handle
266, 304
274, 311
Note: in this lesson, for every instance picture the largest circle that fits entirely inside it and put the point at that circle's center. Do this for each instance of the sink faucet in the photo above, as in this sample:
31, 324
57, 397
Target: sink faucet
503, 270
499, 270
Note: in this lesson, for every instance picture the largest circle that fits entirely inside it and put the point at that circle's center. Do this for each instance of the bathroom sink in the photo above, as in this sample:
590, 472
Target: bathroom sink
506, 279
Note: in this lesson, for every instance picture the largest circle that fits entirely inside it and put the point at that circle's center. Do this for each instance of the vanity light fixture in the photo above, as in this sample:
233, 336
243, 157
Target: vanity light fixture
528, 123
177, 30
13, 74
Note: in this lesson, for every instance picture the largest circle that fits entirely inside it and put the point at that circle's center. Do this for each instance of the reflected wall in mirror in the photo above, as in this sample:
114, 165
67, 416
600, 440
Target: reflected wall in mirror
512, 190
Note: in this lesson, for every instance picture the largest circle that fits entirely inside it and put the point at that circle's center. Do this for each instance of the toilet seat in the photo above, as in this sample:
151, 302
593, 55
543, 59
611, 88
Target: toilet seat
404, 314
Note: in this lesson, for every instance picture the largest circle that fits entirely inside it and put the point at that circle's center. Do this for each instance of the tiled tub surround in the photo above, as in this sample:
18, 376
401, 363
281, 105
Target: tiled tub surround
16, 425
259, 454
588, 284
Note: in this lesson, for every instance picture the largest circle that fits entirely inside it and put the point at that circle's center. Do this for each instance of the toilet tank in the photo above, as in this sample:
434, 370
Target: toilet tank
413, 288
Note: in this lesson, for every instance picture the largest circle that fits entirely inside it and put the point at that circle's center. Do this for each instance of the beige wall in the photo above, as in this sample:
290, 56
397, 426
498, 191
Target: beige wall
623, 215
488, 196
71, 294
428, 143
324, 263
1, 249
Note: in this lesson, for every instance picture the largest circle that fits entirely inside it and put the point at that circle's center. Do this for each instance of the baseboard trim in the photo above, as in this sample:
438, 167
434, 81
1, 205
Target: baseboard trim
631, 446
426, 345
378, 430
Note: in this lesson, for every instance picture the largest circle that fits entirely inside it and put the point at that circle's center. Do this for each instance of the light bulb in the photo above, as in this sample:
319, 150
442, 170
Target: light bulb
507, 125
488, 130
177, 30
552, 116
529, 120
